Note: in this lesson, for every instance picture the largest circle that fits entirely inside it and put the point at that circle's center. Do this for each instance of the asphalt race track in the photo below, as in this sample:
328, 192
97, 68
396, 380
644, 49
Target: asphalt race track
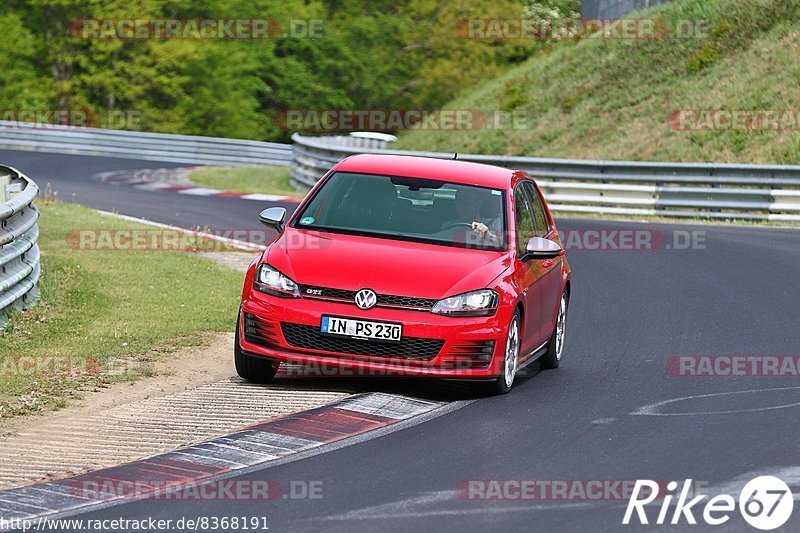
72, 176
594, 418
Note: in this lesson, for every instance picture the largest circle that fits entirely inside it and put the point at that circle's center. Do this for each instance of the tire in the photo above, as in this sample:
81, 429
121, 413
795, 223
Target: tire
555, 346
253, 368
504, 382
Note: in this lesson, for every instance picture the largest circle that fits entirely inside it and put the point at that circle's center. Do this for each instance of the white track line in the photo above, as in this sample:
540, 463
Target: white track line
242, 245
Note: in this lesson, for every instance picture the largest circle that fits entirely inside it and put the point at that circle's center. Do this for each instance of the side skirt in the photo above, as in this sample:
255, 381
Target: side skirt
536, 354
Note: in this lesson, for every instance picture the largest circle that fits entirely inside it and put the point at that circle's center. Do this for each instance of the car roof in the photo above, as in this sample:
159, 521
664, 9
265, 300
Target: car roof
449, 170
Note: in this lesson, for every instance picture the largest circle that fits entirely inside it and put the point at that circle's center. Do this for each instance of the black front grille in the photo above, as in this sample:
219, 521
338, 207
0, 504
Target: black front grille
405, 301
410, 348
469, 354
384, 300
258, 331
326, 293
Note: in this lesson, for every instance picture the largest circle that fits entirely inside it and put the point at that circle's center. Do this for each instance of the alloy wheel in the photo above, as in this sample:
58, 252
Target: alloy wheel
561, 324
512, 351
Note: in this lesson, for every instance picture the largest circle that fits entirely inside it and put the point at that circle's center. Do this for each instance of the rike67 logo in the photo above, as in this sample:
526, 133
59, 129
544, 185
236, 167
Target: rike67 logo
765, 503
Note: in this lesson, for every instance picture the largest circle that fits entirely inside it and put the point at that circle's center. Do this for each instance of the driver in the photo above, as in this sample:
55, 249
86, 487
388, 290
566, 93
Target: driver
468, 212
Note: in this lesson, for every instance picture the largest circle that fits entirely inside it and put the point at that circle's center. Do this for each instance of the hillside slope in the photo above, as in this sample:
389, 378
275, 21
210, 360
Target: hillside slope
613, 99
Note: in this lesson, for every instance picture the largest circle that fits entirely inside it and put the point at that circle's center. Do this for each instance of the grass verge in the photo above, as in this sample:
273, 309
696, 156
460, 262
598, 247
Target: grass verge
266, 180
106, 309
616, 99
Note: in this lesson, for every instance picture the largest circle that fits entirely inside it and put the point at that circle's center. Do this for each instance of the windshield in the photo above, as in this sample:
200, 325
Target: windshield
415, 209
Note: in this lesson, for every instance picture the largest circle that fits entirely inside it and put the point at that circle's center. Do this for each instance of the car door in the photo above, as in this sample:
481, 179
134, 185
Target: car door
548, 271
528, 271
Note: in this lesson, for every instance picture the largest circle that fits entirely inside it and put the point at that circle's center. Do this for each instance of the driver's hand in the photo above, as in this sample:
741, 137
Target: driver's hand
480, 227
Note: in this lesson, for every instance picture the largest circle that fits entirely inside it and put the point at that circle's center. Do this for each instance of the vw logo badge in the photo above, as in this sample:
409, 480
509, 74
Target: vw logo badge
366, 299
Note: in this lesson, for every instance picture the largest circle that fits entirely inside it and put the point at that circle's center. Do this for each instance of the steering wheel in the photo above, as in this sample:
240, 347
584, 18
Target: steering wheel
457, 224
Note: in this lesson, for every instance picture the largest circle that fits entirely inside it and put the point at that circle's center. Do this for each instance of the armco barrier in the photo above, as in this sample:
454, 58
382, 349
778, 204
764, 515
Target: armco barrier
702, 190
692, 190
19, 253
189, 149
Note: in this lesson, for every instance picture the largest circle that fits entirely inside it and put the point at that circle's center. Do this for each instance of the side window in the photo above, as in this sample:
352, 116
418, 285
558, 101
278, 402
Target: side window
538, 209
524, 219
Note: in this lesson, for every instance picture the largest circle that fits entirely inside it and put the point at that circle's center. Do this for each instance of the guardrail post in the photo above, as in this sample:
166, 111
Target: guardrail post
5, 179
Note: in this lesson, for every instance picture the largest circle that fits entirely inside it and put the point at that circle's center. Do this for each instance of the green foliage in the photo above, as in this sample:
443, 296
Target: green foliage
702, 58
553, 9
612, 98
371, 55
514, 94
21, 83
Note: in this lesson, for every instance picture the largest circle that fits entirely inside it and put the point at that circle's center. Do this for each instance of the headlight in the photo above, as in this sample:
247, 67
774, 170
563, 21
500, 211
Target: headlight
477, 303
271, 281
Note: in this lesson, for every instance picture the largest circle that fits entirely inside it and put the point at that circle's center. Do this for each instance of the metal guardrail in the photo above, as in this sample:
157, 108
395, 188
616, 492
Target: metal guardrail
190, 149
19, 253
755, 192
690, 190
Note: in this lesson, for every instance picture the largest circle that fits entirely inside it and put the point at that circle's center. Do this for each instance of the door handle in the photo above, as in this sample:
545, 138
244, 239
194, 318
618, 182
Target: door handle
548, 263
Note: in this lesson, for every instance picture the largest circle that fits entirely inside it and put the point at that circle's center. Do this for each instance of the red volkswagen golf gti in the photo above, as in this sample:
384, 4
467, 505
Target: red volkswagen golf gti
397, 265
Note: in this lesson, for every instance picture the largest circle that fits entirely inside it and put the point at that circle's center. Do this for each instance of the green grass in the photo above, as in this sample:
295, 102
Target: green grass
129, 306
267, 180
611, 99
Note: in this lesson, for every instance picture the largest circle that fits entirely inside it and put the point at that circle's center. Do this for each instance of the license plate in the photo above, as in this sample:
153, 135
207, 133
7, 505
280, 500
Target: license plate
361, 329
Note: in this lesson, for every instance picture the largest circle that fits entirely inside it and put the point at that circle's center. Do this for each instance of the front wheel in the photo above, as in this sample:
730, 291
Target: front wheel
508, 371
555, 347
253, 368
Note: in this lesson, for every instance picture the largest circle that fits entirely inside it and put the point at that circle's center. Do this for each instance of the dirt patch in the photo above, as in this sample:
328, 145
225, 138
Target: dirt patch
183, 370
235, 260
192, 395
195, 396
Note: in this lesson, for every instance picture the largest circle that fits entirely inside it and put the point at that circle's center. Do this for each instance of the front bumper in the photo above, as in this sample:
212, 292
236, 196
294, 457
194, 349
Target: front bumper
471, 347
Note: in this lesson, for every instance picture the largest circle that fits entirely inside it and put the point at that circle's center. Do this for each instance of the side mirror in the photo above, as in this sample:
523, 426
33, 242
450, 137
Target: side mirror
273, 217
539, 248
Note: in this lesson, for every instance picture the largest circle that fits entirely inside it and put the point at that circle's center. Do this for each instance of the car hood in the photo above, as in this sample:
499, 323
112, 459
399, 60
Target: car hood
386, 266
